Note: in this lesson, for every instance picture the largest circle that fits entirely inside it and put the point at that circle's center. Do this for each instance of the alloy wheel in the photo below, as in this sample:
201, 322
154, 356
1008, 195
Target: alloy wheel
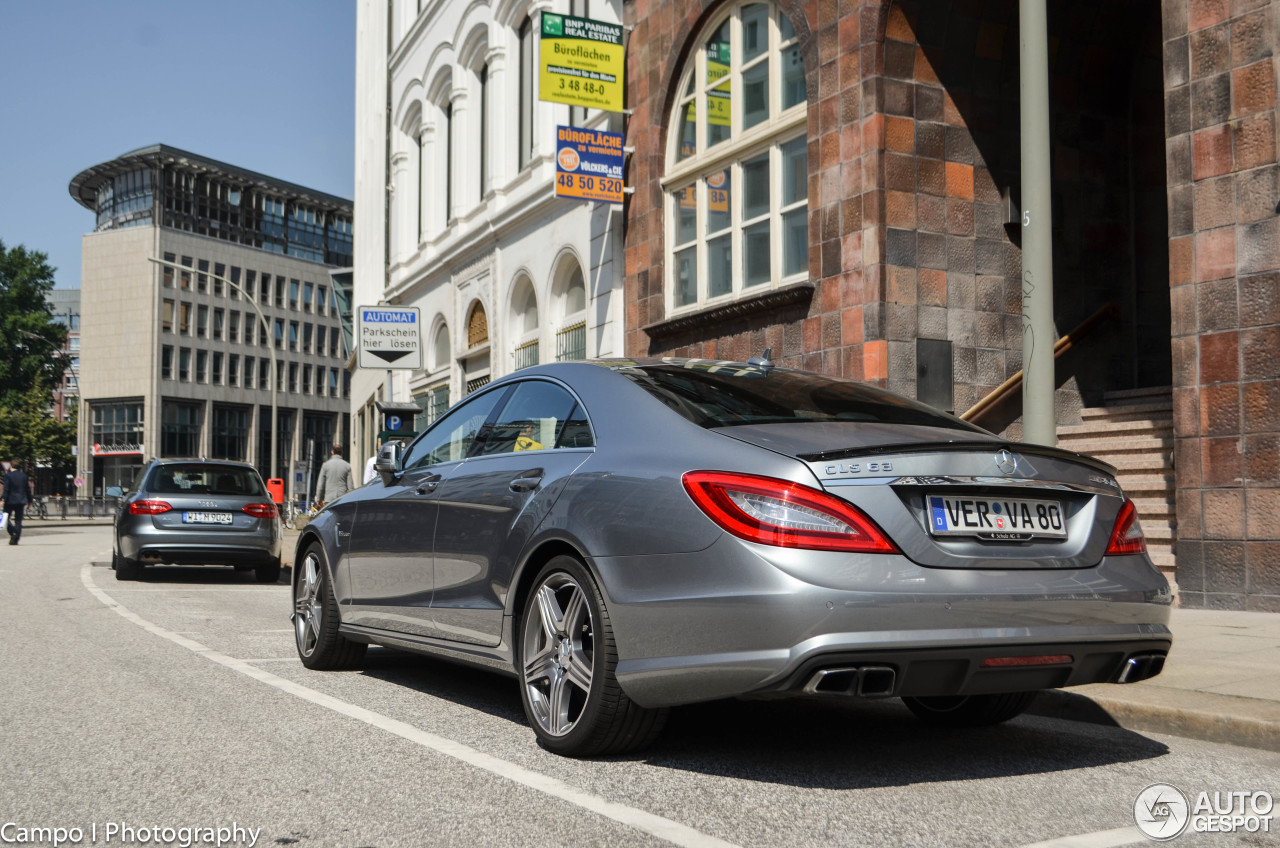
308, 606
558, 653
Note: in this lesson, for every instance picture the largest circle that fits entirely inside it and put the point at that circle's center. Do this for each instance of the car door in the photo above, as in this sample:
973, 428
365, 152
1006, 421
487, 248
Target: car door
390, 558
495, 501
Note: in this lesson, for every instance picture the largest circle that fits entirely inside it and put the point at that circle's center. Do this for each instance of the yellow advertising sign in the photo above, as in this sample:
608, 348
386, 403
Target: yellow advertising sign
582, 62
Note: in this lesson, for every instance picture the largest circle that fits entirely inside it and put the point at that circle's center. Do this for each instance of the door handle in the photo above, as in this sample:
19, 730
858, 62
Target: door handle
428, 485
525, 484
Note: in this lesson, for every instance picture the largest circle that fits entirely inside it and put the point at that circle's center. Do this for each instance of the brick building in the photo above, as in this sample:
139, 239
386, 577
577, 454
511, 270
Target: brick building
839, 180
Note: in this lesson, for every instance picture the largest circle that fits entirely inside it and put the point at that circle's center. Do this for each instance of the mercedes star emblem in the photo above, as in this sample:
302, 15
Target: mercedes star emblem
1006, 462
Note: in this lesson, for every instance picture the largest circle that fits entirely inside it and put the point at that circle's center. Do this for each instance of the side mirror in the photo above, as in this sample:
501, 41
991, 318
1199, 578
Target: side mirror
388, 462
115, 492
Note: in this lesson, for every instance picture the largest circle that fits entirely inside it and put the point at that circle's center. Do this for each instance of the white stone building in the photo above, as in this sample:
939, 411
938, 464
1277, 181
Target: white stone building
455, 206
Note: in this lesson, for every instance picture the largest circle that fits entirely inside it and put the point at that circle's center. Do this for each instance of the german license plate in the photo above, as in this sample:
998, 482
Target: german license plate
206, 518
999, 519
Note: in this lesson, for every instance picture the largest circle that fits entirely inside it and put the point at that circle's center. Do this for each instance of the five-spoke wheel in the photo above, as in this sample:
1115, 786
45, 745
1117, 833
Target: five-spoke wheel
567, 658
315, 618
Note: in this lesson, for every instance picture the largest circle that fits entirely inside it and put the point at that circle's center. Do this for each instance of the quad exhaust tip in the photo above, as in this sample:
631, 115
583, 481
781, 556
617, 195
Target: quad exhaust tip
1140, 667
871, 681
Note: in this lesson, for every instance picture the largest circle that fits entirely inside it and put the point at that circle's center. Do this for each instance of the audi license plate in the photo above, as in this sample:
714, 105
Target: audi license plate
999, 519
206, 518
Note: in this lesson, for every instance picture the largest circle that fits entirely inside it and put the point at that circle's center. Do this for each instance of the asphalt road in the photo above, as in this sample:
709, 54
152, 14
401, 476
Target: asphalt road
178, 702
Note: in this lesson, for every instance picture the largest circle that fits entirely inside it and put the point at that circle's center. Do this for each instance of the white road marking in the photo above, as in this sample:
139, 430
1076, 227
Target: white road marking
1098, 839
663, 828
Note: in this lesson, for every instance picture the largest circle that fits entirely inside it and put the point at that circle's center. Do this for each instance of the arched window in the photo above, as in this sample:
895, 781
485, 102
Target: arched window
523, 326
477, 327
737, 163
441, 354
571, 302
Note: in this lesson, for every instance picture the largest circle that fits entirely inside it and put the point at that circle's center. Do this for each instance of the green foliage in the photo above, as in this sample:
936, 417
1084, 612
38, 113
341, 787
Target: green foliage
32, 357
28, 432
31, 363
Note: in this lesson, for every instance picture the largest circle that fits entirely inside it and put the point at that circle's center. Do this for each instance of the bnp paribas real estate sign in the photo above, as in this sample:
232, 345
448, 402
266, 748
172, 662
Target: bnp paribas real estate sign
582, 62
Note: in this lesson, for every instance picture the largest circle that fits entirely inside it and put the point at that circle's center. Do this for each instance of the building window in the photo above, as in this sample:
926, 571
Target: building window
334, 338
230, 433
233, 369
524, 325
233, 330
448, 162
527, 100
180, 429
202, 279
293, 294
308, 289
202, 320
248, 372
477, 328
306, 337
184, 277
202, 365
264, 373
166, 362
437, 402
264, 290
216, 376
217, 323
306, 379
184, 319
284, 442
250, 282
280, 333
184, 365
319, 340
166, 271
293, 336
117, 425
484, 130
166, 316
293, 378
321, 294
280, 291
333, 382
235, 278
219, 274
571, 337
737, 204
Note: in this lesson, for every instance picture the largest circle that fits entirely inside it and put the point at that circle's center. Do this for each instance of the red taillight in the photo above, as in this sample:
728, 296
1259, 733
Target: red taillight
261, 510
782, 513
1126, 537
149, 507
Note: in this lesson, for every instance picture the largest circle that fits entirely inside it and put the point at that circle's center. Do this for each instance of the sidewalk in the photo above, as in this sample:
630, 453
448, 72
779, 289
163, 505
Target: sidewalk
1221, 683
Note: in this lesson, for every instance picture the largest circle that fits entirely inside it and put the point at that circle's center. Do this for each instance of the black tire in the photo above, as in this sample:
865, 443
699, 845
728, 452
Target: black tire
970, 710
269, 573
569, 662
126, 569
315, 619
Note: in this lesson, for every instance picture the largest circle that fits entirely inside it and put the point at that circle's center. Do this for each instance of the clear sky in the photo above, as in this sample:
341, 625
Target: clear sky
267, 85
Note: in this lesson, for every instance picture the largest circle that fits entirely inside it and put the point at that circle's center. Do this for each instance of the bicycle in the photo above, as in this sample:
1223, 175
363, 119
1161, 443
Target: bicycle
40, 508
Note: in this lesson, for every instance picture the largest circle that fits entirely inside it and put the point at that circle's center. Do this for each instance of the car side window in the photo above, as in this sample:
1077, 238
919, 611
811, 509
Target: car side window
452, 436
533, 419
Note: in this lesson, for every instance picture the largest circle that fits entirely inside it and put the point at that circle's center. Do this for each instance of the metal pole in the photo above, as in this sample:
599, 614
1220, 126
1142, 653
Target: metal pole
271, 349
1039, 424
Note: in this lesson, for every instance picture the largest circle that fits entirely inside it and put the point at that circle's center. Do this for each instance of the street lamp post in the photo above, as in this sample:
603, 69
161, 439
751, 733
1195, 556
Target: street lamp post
271, 348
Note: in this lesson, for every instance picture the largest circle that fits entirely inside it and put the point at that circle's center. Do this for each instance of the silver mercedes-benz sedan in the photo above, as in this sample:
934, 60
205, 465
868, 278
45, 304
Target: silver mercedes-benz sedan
197, 512
627, 536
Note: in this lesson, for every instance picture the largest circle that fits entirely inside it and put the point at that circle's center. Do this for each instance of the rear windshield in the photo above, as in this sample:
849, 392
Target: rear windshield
203, 479
713, 394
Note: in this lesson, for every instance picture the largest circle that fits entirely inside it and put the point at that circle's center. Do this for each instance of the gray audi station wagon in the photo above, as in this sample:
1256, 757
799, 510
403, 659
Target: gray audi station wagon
197, 512
626, 536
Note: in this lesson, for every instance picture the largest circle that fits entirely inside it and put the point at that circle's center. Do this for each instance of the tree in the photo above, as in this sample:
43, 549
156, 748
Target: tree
33, 342
30, 433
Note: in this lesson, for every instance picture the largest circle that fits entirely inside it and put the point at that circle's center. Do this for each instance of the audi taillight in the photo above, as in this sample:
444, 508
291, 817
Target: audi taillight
785, 514
1126, 536
149, 507
261, 510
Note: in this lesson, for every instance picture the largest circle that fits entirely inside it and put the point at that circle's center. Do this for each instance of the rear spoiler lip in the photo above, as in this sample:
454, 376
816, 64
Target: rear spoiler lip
927, 447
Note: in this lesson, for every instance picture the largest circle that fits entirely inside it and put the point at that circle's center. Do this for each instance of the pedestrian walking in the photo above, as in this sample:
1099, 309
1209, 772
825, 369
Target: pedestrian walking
335, 477
17, 494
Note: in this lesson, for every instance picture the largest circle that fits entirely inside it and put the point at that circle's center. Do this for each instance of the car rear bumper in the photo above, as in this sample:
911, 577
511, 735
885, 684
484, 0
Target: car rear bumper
743, 619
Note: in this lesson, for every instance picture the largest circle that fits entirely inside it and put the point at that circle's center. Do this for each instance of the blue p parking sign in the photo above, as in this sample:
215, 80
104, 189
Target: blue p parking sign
394, 422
